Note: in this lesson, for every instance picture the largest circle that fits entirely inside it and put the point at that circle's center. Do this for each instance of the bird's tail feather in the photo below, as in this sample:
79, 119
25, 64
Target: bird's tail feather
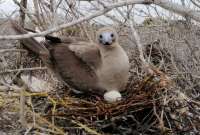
30, 43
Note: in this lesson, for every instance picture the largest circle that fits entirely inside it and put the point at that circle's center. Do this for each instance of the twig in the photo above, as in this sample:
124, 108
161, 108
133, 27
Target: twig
12, 87
25, 11
89, 130
82, 19
12, 50
22, 107
145, 65
43, 120
162, 3
23, 69
181, 10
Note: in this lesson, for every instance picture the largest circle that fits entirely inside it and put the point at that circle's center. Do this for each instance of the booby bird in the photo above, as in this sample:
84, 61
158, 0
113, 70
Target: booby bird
101, 67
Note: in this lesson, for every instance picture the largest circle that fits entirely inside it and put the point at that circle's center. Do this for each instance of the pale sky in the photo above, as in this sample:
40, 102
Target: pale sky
7, 6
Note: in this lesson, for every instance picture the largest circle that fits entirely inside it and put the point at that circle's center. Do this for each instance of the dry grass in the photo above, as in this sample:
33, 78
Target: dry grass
166, 103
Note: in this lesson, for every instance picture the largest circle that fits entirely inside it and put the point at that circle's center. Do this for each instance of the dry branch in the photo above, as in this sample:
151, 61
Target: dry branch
163, 3
145, 65
23, 69
55, 29
178, 9
24, 11
12, 50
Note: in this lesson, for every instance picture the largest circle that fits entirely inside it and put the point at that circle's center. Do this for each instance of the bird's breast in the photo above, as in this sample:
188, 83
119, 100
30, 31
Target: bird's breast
114, 71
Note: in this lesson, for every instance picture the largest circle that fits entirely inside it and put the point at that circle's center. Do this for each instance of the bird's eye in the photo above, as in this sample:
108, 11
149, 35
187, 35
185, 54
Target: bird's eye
112, 35
100, 36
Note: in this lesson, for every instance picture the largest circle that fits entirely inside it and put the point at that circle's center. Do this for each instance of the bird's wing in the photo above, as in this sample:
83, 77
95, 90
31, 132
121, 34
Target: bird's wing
63, 39
30, 43
76, 65
87, 52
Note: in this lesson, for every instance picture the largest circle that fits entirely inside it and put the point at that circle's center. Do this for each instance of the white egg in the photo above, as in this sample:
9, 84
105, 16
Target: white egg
112, 96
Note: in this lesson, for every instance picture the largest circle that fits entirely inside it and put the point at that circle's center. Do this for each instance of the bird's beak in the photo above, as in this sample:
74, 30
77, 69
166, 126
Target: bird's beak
106, 39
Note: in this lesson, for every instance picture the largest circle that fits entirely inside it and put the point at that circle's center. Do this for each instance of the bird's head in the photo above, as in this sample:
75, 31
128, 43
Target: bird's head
107, 37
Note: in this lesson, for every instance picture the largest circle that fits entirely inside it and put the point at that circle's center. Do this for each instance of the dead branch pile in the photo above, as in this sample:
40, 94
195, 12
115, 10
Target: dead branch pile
164, 103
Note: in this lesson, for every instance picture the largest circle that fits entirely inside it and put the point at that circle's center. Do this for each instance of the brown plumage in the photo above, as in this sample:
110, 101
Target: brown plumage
98, 67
